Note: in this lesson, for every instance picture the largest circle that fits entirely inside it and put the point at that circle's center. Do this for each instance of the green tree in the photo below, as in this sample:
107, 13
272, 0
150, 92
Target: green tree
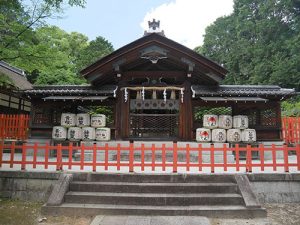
18, 19
95, 50
258, 43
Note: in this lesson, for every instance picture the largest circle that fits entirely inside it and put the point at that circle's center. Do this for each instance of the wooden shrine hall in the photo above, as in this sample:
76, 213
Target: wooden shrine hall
158, 89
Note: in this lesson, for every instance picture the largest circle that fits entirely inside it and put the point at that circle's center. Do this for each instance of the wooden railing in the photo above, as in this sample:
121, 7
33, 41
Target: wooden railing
291, 130
14, 126
185, 158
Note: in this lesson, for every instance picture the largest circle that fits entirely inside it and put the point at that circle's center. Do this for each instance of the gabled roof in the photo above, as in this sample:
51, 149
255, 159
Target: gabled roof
15, 75
176, 57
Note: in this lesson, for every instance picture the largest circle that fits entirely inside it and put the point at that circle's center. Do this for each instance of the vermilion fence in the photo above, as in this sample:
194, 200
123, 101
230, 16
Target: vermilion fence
291, 130
14, 126
191, 158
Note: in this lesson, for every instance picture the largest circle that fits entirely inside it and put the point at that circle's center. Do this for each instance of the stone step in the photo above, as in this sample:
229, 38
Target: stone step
131, 187
232, 211
157, 178
153, 199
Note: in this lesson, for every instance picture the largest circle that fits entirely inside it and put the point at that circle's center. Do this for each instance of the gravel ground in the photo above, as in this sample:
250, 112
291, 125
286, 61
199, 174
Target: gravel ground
13, 212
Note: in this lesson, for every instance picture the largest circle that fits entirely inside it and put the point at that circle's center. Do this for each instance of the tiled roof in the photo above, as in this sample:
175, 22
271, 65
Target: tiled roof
70, 90
241, 90
16, 75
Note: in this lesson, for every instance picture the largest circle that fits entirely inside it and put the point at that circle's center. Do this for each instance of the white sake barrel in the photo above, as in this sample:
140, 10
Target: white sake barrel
68, 120
234, 135
203, 135
240, 122
225, 121
249, 135
74, 133
98, 120
219, 135
59, 133
102, 134
210, 121
83, 120
88, 133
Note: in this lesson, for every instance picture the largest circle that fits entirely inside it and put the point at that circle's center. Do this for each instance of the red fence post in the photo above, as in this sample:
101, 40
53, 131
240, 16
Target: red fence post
70, 154
143, 157
34, 155
1, 152
94, 157
187, 157
12, 154
23, 163
59, 157
131, 157
200, 156
274, 157
46, 155
262, 157
163, 157
174, 157
225, 157
106, 157
237, 157
82, 156
153, 148
212, 157
248, 158
118, 157
286, 158
298, 156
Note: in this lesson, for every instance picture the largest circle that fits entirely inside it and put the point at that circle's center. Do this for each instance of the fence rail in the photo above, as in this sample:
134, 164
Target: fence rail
62, 157
291, 130
14, 126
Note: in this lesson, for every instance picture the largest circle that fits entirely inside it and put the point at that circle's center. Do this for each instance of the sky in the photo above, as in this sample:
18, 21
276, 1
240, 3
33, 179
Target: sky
123, 21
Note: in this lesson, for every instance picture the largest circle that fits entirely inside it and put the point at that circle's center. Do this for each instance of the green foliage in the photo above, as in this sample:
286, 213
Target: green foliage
48, 54
291, 108
106, 110
258, 43
201, 111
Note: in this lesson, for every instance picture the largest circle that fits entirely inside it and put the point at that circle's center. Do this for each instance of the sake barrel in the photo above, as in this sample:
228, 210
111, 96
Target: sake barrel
225, 121
234, 135
249, 135
98, 120
219, 135
68, 120
210, 121
102, 134
74, 133
88, 133
83, 120
203, 135
240, 122
59, 133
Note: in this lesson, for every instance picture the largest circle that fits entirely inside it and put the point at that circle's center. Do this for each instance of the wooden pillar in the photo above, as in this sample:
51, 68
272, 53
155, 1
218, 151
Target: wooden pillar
186, 114
122, 115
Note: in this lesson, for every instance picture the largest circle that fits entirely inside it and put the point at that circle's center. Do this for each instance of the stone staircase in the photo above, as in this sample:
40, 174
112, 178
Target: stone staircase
162, 194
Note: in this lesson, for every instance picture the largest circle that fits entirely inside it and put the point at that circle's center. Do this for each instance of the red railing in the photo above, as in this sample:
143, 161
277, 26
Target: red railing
291, 130
14, 126
61, 157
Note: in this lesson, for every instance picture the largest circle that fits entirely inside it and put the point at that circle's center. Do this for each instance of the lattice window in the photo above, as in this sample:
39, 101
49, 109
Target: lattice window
268, 117
154, 125
252, 117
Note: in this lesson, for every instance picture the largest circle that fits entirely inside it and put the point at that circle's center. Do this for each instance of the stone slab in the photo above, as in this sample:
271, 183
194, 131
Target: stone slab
59, 190
152, 220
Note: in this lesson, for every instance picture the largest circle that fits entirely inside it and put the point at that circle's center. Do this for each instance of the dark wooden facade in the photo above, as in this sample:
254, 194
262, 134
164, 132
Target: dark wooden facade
157, 64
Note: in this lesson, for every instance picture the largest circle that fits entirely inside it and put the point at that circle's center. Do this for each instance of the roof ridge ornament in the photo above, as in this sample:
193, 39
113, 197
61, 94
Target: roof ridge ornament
154, 27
